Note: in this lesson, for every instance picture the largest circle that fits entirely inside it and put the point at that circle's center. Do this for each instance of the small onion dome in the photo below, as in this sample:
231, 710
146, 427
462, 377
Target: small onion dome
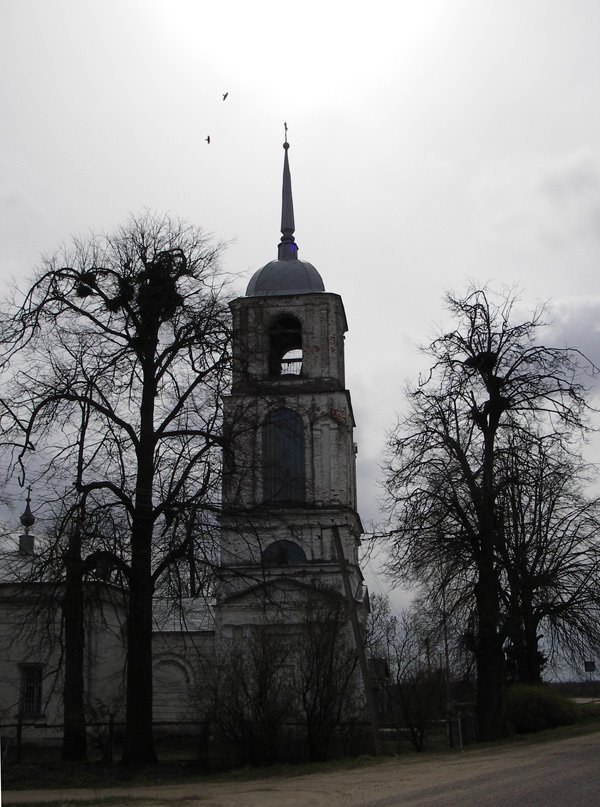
28, 519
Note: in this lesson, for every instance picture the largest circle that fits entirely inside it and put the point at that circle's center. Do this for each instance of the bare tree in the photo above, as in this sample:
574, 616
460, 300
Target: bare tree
282, 685
489, 379
417, 684
133, 331
325, 664
252, 692
548, 554
419, 691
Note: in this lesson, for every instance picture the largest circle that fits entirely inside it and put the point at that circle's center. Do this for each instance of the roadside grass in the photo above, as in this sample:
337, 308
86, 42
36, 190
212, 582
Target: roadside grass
48, 772
587, 723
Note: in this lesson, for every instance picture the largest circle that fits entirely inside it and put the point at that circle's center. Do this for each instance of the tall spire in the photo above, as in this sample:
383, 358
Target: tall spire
287, 274
287, 247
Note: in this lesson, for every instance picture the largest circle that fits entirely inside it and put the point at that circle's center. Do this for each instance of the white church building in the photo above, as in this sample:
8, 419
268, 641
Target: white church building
289, 530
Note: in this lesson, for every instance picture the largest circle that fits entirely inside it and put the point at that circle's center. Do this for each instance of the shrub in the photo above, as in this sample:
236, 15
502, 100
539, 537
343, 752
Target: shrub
534, 708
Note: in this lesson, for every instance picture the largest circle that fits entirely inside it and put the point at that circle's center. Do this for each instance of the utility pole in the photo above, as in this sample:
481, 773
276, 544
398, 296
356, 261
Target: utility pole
358, 639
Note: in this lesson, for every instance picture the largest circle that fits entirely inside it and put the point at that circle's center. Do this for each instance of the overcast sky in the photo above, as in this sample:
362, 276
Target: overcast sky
432, 142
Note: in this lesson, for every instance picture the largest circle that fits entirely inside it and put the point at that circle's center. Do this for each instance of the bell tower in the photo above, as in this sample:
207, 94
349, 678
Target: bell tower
289, 469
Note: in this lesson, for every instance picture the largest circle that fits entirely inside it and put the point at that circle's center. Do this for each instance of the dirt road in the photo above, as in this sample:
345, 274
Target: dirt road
563, 772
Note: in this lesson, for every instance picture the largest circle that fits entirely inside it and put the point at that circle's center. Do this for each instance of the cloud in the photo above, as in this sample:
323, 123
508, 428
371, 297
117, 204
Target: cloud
546, 211
575, 322
577, 175
25, 230
570, 190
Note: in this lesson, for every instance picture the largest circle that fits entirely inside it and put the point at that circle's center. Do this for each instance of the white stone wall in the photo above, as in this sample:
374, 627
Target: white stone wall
30, 633
179, 680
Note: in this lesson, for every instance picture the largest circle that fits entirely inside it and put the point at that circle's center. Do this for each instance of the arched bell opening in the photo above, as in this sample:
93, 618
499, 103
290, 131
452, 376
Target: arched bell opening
285, 346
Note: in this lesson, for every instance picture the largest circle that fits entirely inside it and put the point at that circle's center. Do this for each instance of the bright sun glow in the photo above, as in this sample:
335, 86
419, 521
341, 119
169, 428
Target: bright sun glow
327, 49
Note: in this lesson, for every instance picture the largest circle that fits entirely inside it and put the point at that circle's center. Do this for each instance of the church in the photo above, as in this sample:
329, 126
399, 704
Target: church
289, 527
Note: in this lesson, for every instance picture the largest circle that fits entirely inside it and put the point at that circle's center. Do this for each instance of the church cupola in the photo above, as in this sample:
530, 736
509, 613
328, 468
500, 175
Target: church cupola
288, 274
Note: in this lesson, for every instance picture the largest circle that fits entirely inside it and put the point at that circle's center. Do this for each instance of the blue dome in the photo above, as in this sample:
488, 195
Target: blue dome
285, 276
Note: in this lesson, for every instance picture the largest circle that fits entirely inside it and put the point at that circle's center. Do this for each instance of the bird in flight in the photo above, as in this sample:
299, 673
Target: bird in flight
225, 94
207, 138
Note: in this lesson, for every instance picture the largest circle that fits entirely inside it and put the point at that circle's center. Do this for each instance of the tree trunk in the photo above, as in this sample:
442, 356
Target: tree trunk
531, 672
527, 659
491, 685
139, 742
491, 673
74, 747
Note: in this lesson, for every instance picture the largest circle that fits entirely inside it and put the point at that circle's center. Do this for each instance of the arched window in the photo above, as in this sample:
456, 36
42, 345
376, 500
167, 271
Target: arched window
285, 346
172, 696
283, 553
283, 457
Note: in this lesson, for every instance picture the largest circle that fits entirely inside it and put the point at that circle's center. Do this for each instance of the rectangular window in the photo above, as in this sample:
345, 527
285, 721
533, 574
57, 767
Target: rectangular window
31, 689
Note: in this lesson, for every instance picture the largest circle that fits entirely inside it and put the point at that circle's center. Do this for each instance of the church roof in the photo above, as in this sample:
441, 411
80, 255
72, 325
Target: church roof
182, 615
275, 589
287, 274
